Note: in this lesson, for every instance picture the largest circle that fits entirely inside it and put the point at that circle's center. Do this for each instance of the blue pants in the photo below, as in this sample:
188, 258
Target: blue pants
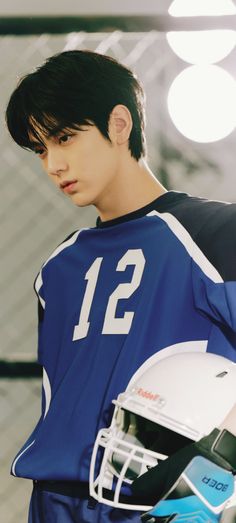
51, 507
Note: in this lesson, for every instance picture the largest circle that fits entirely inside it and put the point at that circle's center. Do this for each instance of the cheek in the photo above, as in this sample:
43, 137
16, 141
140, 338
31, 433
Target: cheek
95, 162
105, 157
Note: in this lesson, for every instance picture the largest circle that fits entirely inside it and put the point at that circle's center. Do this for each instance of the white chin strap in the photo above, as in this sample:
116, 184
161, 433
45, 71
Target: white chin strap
106, 486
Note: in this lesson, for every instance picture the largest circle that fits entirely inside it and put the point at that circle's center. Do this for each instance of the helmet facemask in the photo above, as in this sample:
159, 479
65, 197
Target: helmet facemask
132, 445
171, 403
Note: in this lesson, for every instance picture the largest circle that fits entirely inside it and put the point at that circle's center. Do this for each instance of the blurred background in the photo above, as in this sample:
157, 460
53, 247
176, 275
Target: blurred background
184, 54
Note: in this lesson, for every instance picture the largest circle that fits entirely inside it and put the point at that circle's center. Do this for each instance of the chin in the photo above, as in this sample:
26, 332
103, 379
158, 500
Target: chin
81, 201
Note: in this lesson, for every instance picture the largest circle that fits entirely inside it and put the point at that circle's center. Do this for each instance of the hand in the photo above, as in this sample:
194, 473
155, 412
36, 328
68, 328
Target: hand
192, 485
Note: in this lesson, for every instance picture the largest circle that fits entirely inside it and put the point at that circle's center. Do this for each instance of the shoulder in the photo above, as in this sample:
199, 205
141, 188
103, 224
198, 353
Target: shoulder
195, 212
212, 226
39, 280
68, 242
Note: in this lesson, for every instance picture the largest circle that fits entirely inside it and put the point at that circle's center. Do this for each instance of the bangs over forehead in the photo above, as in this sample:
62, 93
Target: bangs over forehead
44, 127
47, 127
36, 111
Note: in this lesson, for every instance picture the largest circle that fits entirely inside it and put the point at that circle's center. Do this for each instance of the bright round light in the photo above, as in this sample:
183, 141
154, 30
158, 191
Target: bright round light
202, 103
202, 8
202, 47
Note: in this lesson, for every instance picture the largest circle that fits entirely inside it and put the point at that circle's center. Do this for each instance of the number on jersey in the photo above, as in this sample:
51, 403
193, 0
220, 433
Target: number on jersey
111, 325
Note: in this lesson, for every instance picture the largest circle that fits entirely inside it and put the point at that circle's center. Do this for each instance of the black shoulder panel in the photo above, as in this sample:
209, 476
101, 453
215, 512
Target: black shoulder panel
212, 225
40, 312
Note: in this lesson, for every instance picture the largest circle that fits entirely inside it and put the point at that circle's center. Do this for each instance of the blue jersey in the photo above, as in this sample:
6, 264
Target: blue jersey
109, 298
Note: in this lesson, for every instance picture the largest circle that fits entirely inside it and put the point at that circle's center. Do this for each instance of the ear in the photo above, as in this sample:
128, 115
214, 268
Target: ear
120, 124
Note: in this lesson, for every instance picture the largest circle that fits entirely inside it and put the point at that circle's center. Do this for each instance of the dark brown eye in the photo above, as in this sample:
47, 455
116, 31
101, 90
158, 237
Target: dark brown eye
65, 138
39, 152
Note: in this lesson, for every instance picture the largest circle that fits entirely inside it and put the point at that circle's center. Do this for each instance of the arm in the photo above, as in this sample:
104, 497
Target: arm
197, 479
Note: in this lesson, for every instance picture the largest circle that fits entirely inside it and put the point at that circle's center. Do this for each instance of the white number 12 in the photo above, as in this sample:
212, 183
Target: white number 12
111, 325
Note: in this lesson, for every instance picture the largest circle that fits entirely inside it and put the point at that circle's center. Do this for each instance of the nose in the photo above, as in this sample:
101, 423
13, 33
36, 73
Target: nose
56, 163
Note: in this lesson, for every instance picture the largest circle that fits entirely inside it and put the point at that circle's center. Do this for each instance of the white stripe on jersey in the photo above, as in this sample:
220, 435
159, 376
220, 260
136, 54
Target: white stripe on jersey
39, 280
47, 391
191, 247
13, 469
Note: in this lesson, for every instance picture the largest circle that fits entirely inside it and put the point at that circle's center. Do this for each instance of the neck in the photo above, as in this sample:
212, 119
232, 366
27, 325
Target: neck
133, 187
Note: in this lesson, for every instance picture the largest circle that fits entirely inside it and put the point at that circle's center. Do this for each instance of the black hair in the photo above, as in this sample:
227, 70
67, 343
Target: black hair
71, 89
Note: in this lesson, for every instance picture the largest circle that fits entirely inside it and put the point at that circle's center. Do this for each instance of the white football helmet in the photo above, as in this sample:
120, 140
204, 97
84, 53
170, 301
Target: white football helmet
176, 401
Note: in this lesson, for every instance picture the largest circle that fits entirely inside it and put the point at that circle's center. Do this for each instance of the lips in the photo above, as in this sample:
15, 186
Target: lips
69, 186
66, 183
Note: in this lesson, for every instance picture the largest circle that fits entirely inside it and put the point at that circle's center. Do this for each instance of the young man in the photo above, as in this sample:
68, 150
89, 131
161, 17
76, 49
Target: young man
156, 271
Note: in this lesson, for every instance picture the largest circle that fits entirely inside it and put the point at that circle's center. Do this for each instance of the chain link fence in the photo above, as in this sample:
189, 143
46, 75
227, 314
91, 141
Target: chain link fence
19, 411
34, 218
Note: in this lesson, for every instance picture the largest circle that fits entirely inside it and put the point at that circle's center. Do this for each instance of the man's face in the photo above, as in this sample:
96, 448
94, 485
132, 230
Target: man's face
81, 163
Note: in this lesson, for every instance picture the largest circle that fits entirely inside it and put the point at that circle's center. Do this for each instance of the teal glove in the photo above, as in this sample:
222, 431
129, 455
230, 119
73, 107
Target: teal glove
199, 495
193, 485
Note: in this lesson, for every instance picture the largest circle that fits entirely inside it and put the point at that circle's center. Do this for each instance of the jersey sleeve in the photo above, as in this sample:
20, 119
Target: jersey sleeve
215, 299
212, 227
216, 296
217, 239
40, 285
